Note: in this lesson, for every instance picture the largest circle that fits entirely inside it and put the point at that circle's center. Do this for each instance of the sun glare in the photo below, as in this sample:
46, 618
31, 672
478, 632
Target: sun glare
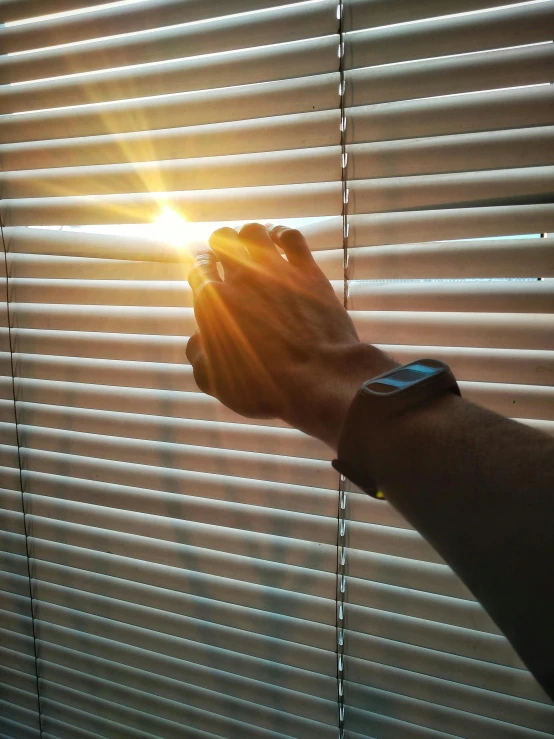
175, 230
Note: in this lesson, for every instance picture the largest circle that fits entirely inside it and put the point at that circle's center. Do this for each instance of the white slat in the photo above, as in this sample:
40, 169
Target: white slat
293, 59
461, 34
105, 21
291, 23
252, 170
458, 153
371, 13
204, 107
452, 114
248, 203
213, 139
528, 65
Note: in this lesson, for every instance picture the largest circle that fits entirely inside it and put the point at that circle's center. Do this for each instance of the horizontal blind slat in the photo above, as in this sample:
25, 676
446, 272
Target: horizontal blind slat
156, 682
474, 673
139, 647
495, 297
192, 507
63, 730
64, 607
205, 107
246, 203
19, 643
18, 661
276, 25
186, 488
13, 562
452, 114
18, 679
258, 465
463, 223
471, 151
362, 621
191, 697
449, 259
19, 698
446, 76
13, 543
282, 442
463, 190
169, 403
431, 606
61, 585
59, 700
213, 139
423, 719
239, 540
144, 561
320, 164
122, 373
18, 722
494, 330
370, 13
17, 10
291, 59
461, 34
105, 21
448, 693
38, 266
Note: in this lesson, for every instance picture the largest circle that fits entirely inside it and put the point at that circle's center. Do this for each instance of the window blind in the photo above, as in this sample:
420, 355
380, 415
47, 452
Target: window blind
445, 176
182, 560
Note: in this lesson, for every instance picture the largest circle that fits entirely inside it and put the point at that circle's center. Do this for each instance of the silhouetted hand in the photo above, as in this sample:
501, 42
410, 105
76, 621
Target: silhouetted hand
274, 341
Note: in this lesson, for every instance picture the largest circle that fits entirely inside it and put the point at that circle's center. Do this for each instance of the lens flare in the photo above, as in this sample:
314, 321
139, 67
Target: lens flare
173, 228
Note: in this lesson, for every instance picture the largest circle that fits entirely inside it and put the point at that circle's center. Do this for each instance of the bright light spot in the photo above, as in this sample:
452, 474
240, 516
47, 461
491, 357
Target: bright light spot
174, 229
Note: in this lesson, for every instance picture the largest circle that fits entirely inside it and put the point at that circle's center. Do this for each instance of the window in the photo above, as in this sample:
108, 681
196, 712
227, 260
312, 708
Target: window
168, 568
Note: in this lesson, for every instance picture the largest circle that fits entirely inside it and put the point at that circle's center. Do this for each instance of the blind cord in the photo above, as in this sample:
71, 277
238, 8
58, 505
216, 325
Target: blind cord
341, 511
23, 508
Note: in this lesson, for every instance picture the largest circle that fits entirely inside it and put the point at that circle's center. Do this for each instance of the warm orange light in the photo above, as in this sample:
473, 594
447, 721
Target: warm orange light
173, 228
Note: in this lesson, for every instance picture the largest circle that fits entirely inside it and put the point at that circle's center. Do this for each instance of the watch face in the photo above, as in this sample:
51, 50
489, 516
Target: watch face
402, 378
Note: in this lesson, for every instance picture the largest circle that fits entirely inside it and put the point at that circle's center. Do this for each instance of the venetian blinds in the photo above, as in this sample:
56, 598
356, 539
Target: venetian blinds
169, 568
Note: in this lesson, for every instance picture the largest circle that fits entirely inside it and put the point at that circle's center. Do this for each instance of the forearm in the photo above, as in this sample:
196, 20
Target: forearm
274, 341
480, 489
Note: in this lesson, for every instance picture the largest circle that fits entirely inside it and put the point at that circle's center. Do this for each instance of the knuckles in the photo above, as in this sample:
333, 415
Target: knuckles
252, 231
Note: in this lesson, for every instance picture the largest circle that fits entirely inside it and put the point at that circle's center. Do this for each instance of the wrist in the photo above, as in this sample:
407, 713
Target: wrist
331, 385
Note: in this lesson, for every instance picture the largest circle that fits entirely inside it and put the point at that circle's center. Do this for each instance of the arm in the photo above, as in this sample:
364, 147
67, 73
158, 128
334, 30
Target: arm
480, 489
274, 341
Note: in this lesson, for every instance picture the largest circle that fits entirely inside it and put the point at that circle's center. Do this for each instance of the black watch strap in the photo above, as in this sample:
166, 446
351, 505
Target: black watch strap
378, 402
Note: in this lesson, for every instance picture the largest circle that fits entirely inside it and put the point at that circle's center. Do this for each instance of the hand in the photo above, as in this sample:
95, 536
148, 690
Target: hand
274, 341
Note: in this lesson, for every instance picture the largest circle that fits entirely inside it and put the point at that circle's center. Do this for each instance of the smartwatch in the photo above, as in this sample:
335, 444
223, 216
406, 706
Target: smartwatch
378, 402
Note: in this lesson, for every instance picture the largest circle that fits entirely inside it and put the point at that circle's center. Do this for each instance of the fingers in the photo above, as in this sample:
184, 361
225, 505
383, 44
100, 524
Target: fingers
199, 361
194, 348
293, 243
204, 272
251, 245
230, 251
259, 243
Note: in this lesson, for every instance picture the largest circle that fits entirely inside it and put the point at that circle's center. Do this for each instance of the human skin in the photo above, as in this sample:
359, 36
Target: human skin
275, 342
